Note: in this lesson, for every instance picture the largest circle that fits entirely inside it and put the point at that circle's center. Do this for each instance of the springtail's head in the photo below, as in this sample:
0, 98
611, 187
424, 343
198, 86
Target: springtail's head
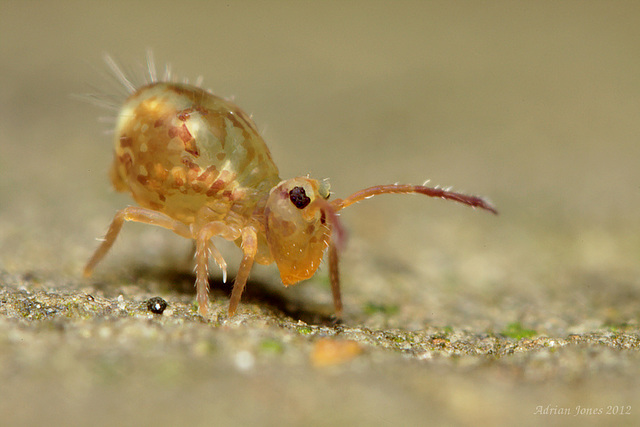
299, 226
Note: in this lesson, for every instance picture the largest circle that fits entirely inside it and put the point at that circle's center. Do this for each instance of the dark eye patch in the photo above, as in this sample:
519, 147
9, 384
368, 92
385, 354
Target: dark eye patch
299, 198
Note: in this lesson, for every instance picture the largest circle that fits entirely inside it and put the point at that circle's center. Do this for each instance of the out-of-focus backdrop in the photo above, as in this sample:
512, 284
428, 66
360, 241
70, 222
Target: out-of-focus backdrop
533, 104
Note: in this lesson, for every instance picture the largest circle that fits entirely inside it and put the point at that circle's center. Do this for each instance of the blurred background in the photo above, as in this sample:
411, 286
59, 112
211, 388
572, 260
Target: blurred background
532, 104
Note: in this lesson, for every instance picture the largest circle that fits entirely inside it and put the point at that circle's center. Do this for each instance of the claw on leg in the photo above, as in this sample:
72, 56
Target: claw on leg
217, 257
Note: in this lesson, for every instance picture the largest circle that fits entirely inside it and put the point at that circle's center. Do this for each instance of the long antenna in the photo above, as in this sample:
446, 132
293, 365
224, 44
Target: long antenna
474, 201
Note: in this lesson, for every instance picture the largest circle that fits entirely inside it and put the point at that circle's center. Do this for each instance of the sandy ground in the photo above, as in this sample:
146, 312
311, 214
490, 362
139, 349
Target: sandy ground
452, 316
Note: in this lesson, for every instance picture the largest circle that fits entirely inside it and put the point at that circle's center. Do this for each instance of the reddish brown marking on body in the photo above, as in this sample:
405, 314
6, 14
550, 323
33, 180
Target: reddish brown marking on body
207, 173
143, 180
192, 174
126, 141
127, 161
190, 164
219, 184
237, 122
185, 135
198, 186
189, 142
158, 123
155, 206
179, 176
184, 114
191, 148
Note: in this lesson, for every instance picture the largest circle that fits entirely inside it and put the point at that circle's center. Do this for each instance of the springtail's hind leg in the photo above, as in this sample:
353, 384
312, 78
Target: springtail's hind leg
204, 249
249, 249
334, 276
136, 214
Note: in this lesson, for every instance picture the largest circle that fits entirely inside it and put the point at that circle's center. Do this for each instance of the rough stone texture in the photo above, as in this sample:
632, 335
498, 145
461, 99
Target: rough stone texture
459, 317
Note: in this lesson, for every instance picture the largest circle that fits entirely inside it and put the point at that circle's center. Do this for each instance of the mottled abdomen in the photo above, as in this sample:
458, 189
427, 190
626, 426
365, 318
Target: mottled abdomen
180, 149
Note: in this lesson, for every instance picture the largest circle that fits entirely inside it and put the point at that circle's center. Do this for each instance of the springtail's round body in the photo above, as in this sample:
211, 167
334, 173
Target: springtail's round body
196, 164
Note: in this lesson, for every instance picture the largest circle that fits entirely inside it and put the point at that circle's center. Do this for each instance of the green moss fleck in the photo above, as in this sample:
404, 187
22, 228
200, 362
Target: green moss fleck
304, 330
271, 346
387, 309
516, 331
